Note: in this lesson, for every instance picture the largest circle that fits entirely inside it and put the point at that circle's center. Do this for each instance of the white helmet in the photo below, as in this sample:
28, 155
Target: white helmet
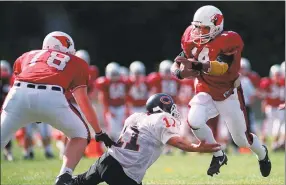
245, 64
207, 16
137, 67
112, 70
274, 70
83, 54
124, 71
59, 41
5, 66
165, 67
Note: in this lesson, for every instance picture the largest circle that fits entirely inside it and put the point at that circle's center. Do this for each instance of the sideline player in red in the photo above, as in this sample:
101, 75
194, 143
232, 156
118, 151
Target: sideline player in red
213, 56
138, 87
41, 79
113, 91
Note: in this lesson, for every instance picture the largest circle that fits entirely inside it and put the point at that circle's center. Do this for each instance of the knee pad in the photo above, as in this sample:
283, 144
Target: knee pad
197, 116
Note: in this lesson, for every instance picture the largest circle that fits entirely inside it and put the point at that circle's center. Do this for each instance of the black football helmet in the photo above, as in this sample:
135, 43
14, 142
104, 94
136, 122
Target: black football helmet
161, 102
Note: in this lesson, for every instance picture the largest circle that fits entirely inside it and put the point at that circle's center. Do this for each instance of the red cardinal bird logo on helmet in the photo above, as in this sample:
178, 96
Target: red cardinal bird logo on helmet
217, 19
64, 40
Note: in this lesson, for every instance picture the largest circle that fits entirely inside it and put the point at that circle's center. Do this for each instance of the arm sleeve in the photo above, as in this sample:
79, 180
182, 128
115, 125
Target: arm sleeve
81, 77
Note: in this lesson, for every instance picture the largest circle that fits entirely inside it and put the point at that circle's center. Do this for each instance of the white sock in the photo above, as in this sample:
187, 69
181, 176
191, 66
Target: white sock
65, 170
48, 149
257, 148
206, 134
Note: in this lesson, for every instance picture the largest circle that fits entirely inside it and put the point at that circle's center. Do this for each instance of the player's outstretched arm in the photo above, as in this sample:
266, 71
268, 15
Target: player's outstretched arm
81, 97
187, 146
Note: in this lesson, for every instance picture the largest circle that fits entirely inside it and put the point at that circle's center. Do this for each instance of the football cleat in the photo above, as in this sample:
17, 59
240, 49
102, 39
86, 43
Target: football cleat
216, 163
8, 156
265, 164
64, 179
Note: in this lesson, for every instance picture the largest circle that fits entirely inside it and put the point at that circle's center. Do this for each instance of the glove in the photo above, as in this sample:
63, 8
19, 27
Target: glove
104, 138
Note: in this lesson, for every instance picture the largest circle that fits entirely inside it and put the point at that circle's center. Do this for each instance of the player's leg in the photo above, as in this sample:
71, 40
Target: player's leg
45, 132
13, 115
202, 109
28, 150
233, 112
107, 169
8, 152
69, 121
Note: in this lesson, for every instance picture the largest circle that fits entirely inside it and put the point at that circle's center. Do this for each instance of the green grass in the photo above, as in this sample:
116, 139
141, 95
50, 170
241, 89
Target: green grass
172, 170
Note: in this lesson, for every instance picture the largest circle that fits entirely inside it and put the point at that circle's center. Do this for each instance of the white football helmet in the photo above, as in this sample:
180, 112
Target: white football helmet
137, 68
275, 70
124, 71
83, 54
209, 17
245, 64
165, 67
112, 71
6, 67
59, 41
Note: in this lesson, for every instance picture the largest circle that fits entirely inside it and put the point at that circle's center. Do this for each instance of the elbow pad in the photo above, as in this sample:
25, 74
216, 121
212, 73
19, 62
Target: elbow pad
217, 68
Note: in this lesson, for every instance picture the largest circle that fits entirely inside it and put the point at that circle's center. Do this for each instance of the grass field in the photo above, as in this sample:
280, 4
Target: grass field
172, 170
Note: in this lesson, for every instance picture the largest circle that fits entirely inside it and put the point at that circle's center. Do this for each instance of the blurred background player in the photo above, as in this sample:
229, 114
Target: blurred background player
138, 87
113, 91
124, 72
164, 82
6, 74
45, 135
185, 94
270, 93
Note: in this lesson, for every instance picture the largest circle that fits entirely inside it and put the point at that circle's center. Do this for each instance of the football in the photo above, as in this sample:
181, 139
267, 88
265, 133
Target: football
188, 66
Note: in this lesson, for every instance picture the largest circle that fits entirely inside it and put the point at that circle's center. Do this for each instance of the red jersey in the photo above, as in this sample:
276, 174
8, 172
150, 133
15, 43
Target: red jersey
90, 86
271, 91
169, 85
52, 68
115, 92
254, 78
228, 42
138, 92
186, 92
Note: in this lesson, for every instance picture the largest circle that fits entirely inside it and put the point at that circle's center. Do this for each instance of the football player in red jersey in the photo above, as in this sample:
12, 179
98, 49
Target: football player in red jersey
216, 55
245, 70
41, 78
163, 81
270, 92
6, 74
112, 94
138, 87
